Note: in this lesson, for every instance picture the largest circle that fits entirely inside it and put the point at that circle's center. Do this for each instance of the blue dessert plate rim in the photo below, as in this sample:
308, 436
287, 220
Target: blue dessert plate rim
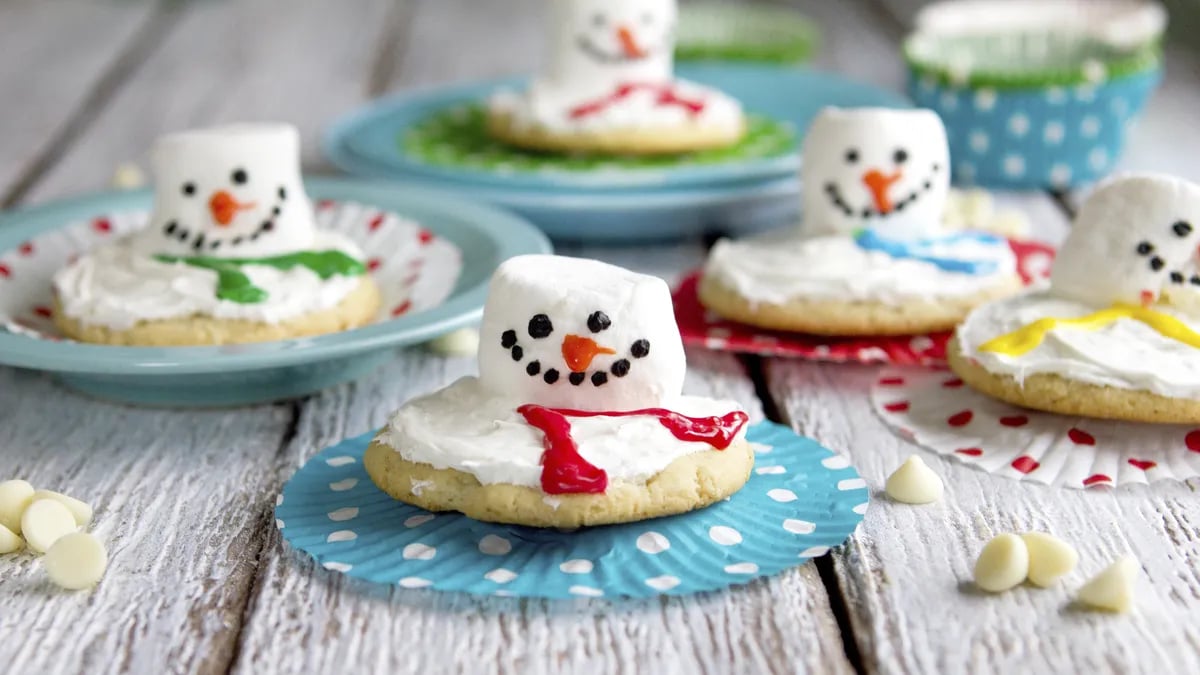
485, 235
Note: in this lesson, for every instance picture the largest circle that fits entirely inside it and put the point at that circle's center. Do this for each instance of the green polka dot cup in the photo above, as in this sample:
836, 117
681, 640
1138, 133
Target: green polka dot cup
1033, 106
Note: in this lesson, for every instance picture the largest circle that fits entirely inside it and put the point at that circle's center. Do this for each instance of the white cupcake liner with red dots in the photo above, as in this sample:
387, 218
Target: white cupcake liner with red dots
703, 328
415, 269
935, 410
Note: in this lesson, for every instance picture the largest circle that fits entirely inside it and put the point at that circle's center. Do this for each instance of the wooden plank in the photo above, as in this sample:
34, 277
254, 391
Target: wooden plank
308, 618
181, 498
60, 59
228, 62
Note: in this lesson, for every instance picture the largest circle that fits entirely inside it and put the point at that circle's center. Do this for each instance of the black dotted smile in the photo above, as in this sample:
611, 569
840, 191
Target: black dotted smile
541, 327
1181, 229
835, 196
201, 242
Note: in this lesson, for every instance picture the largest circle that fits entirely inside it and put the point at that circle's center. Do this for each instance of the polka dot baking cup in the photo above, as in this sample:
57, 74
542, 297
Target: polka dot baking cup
418, 272
457, 137
937, 411
1031, 104
801, 500
702, 328
746, 32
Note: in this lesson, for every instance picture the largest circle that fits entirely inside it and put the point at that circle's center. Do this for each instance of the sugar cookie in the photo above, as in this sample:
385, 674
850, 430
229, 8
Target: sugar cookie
1050, 558
609, 88
1002, 564
15, 496
1116, 334
80, 510
579, 398
873, 256
914, 483
44, 522
10, 541
1112, 589
231, 253
76, 561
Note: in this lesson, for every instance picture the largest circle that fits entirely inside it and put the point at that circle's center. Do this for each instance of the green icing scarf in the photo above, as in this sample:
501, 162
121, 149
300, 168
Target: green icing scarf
235, 286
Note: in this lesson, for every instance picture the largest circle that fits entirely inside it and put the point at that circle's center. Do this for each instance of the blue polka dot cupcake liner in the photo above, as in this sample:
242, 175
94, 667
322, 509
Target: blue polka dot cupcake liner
1032, 109
801, 500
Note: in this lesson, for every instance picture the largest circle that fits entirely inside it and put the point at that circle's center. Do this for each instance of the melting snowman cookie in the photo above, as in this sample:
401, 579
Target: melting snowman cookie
579, 398
608, 86
872, 256
1116, 333
231, 253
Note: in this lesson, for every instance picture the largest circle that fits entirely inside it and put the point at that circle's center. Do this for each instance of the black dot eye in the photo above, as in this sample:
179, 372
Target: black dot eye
540, 327
1182, 228
598, 321
239, 177
900, 156
1145, 248
851, 156
189, 189
640, 349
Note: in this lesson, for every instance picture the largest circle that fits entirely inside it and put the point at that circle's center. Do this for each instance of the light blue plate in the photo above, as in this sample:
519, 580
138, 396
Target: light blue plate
243, 374
629, 205
801, 500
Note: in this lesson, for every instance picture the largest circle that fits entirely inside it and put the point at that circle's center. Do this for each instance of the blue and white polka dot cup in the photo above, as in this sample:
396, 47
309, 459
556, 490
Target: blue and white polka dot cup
1031, 111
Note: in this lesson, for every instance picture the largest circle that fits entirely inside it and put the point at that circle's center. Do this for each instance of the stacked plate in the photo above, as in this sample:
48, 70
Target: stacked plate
436, 139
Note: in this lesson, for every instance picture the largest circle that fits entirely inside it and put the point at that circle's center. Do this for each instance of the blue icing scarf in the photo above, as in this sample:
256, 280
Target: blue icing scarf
921, 249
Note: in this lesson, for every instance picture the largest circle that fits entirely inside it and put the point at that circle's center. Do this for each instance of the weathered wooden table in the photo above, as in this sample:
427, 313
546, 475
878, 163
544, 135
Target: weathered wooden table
199, 580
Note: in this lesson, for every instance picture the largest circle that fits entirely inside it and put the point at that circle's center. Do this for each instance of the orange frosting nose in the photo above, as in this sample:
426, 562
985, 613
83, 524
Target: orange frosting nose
578, 352
629, 43
879, 183
224, 207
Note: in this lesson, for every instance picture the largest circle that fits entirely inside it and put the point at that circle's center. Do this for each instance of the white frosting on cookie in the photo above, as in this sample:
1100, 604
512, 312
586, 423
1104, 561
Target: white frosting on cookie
118, 285
1126, 354
232, 191
875, 168
466, 427
582, 334
1135, 237
609, 66
781, 267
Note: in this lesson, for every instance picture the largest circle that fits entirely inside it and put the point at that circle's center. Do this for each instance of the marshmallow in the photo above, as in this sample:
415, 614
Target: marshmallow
76, 561
1134, 238
580, 334
230, 192
80, 510
10, 541
1050, 558
875, 168
1112, 589
15, 497
597, 45
1002, 564
44, 522
914, 483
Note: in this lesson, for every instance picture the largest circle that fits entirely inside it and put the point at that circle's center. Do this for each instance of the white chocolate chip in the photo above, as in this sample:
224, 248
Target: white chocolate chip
914, 483
462, 342
44, 522
1003, 563
1112, 589
15, 496
81, 510
1050, 558
128, 176
10, 542
76, 561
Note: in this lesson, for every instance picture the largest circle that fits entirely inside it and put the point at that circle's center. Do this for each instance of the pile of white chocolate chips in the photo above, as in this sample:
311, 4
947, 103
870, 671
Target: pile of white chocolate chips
52, 525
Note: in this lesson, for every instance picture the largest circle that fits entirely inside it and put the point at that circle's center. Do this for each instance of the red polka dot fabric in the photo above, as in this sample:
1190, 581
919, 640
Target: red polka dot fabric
934, 410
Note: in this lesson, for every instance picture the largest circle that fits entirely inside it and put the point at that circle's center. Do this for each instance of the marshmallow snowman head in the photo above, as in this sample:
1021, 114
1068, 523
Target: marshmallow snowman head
875, 168
1134, 238
579, 334
229, 192
600, 44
